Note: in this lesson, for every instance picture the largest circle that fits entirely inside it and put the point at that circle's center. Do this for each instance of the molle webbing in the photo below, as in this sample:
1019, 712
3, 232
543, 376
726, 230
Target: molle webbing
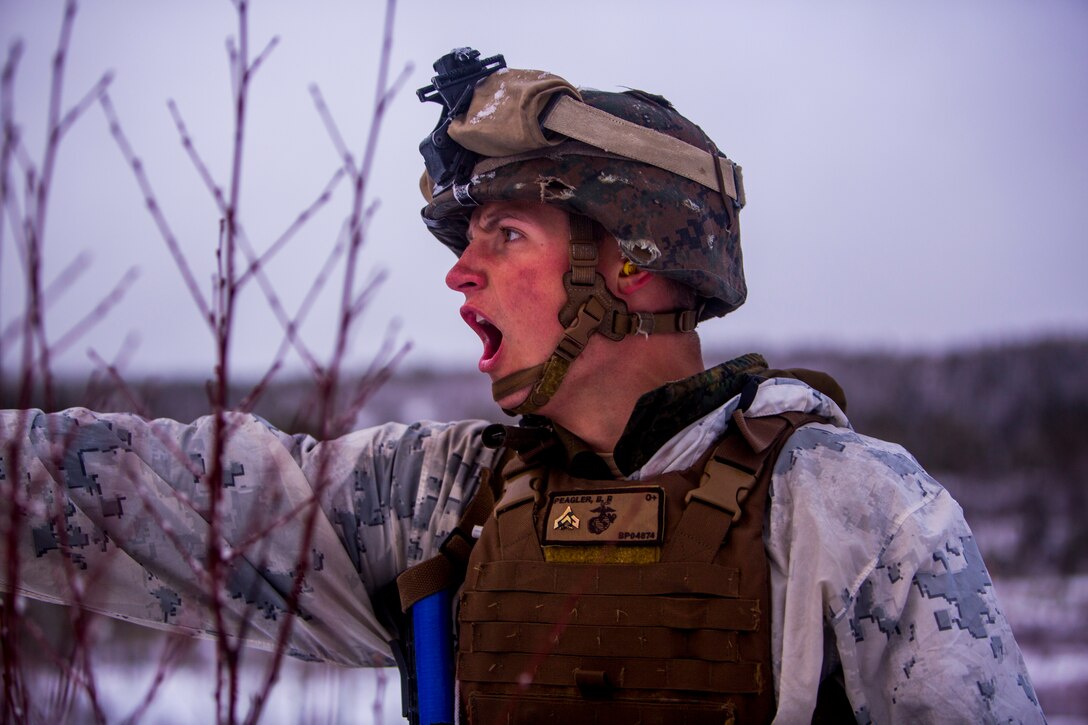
605, 643
629, 609
696, 579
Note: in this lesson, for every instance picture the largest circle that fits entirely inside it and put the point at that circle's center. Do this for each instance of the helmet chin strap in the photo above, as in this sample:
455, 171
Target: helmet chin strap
590, 308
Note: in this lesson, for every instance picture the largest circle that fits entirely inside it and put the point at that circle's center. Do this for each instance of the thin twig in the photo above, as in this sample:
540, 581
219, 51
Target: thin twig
99, 392
97, 313
53, 291
333, 130
290, 337
328, 382
37, 202
153, 207
52, 146
171, 652
374, 378
249, 402
10, 138
227, 662
113, 373
84, 104
16, 699
242, 242
263, 55
190, 149
304, 216
357, 226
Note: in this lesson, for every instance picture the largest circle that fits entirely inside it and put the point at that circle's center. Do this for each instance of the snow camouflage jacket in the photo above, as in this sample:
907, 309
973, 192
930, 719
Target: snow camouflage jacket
873, 568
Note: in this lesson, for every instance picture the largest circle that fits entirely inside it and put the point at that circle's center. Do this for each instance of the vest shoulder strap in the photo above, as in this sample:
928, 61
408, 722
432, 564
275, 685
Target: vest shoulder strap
816, 379
740, 464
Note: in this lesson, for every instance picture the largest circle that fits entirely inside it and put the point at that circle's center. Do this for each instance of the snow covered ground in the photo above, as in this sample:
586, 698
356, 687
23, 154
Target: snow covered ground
305, 693
1048, 615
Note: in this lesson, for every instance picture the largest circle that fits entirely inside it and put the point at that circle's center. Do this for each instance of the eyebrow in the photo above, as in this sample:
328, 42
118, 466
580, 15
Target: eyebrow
487, 221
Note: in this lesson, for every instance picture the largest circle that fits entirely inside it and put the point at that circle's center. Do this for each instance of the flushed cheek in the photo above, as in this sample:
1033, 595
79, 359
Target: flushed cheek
528, 278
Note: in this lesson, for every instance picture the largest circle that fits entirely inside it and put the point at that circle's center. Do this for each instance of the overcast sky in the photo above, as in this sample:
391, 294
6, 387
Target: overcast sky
917, 173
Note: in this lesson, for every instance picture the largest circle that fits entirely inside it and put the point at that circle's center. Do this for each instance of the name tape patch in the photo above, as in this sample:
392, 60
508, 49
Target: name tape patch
612, 516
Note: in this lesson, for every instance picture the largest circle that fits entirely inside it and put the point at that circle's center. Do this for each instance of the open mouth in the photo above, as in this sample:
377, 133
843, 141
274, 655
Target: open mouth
489, 334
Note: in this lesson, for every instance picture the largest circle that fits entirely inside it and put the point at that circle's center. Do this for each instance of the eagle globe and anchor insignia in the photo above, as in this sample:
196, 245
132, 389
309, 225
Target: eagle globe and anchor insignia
604, 518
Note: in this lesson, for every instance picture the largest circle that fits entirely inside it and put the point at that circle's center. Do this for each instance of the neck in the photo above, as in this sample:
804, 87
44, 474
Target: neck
600, 391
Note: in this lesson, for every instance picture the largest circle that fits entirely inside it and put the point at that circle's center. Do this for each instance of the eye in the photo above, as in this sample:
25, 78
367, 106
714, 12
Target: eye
510, 235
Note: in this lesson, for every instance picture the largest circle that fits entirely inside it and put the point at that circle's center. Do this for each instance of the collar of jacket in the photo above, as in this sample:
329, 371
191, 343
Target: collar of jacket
659, 415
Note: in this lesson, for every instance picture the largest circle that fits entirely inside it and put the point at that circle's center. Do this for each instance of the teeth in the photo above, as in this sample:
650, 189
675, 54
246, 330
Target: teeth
480, 319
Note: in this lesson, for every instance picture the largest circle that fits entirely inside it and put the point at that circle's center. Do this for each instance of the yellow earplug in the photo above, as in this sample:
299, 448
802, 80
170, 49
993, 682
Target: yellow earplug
629, 268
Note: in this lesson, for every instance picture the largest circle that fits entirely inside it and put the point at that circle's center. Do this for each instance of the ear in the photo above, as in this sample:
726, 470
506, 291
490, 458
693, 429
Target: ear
627, 284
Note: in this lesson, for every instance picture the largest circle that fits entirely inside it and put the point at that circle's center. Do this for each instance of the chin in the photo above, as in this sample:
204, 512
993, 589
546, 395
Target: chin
514, 399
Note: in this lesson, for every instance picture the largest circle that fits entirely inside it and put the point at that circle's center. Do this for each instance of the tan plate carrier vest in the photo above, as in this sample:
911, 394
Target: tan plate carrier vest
549, 637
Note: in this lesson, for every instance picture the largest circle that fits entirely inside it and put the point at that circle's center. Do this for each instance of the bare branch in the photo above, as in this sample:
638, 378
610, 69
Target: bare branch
34, 222
263, 55
10, 132
223, 286
358, 216
98, 313
171, 652
112, 372
369, 289
211, 565
254, 395
201, 168
299, 222
378, 373
153, 207
53, 291
101, 392
84, 104
290, 327
54, 122
16, 698
18, 225
333, 130
328, 383
290, 333
394, 88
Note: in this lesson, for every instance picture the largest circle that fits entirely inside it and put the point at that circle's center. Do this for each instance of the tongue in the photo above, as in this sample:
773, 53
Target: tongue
492, 339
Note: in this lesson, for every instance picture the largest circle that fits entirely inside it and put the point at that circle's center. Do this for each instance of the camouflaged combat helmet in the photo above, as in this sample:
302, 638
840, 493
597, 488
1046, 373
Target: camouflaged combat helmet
628, 161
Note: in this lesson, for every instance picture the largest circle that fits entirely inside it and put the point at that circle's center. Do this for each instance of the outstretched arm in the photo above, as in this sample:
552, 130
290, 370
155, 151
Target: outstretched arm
114, 513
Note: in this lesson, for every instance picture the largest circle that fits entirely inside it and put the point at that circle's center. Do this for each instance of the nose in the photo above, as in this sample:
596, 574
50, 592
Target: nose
466, 274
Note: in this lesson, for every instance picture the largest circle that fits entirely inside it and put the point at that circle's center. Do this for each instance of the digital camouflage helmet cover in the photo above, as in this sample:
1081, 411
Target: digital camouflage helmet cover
629, 161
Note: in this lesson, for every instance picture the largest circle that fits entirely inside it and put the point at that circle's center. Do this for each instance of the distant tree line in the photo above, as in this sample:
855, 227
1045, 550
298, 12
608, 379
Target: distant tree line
1004, 427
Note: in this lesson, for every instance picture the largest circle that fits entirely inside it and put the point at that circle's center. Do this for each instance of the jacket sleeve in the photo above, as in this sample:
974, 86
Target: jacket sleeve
112, 512
878, 573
